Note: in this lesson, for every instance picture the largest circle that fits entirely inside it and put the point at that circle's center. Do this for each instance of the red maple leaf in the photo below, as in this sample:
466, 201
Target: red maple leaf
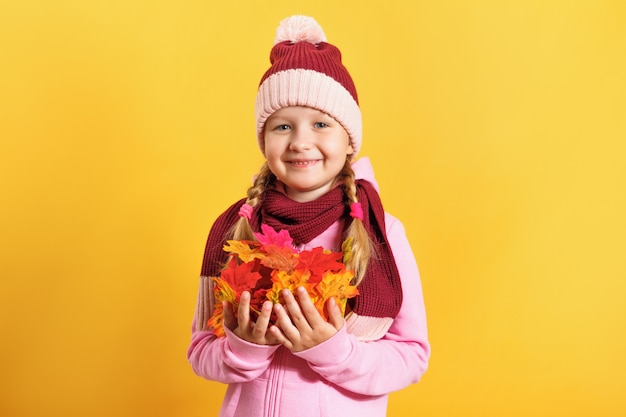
318, 261
241, 277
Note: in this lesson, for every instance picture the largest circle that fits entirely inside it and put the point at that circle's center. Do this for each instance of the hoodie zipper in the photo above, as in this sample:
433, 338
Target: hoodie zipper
275, 384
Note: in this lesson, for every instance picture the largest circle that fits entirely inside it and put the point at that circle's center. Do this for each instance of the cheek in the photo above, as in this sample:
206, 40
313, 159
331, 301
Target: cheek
273, 159
269, 150
342, 151
271, 154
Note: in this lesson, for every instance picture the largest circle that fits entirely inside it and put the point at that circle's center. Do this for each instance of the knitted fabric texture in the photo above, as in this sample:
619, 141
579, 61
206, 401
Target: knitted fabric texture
380, 291
307, 71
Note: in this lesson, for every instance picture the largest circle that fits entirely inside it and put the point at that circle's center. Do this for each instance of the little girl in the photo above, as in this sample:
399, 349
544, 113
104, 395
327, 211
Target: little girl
288, 360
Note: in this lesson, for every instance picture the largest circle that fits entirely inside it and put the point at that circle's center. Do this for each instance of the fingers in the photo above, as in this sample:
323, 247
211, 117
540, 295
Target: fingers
262, 322
307, 307
245, 328
243, 312
302, 313
289, 318
283, 331
335, 317
229, 317
299, 325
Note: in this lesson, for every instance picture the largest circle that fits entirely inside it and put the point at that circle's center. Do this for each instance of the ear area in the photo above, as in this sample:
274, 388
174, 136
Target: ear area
350, 147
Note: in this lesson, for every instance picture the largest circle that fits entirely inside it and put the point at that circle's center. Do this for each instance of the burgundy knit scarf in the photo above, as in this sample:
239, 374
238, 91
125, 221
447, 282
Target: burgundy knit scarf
380, 291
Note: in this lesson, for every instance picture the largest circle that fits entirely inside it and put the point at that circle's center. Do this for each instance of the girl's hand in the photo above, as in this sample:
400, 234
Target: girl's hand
253, 332
299, 326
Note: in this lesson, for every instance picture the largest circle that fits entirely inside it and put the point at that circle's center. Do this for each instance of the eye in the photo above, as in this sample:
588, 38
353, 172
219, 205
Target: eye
320, 125
282, 127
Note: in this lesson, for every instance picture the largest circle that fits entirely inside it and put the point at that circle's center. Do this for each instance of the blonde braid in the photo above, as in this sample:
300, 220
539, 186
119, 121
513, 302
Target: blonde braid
362, 248
242, 230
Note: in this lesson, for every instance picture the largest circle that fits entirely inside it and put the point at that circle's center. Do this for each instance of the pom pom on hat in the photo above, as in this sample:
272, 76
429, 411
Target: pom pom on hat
299, 29
307, 71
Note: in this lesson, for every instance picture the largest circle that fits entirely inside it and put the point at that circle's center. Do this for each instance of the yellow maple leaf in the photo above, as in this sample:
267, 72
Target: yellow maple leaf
346, 248
282, 280
337, 285
246, 251
223, 292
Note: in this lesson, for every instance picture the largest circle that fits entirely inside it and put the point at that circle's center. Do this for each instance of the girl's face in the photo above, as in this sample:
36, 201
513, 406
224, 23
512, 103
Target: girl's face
305, 149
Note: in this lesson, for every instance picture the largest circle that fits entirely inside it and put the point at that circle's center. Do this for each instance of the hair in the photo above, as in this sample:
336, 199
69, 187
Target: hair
362, 248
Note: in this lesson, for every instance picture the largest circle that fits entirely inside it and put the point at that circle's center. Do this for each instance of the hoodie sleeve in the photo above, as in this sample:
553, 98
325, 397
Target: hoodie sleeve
227, 359
393, 362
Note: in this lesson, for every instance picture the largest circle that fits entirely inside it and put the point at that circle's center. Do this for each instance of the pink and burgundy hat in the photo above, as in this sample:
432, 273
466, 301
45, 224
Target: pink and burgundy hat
307, 71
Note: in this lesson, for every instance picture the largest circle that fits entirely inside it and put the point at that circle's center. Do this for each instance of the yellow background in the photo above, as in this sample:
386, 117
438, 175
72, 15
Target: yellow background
497, 132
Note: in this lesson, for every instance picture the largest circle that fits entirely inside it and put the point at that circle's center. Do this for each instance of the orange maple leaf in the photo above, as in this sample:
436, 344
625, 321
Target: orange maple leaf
280, 258
216, 322
222, 291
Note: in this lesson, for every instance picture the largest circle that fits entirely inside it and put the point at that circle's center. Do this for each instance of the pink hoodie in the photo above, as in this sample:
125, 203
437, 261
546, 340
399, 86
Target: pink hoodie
348, 375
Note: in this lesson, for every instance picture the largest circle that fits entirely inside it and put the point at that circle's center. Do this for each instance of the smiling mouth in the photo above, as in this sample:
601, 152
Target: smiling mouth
304, 164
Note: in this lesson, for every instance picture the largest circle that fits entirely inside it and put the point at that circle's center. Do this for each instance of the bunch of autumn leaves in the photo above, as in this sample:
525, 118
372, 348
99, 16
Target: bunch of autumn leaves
271, 264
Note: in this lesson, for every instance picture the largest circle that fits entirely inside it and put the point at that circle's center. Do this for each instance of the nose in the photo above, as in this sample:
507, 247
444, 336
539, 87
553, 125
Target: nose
300, 140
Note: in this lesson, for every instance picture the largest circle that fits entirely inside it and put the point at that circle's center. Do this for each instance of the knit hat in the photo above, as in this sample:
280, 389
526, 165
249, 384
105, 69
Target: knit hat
307, 71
